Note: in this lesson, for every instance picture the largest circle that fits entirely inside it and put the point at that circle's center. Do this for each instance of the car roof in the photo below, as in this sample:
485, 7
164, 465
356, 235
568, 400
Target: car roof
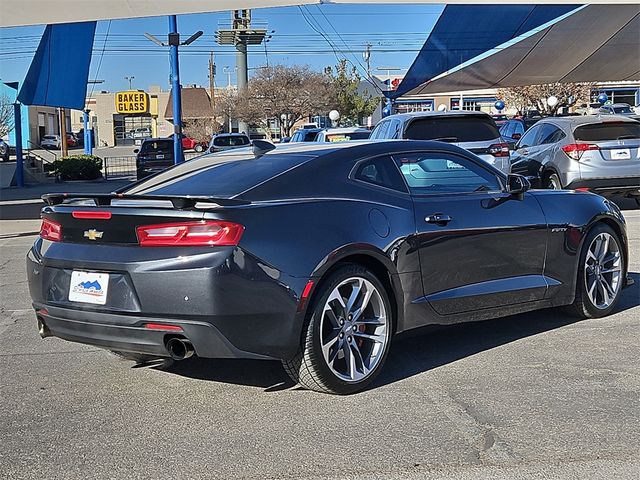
346, 130
235, 134
450, 113
585, 119
158, 139
314, 129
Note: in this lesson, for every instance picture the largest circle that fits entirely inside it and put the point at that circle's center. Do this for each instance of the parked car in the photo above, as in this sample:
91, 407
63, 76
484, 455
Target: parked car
228, 141
317, 255
513, 129
189, 143
500, 119
140, 132
72, 141
343, 134
474, 131
305, 135
4, 151
619, 109
50, 141
153, 156
598, 153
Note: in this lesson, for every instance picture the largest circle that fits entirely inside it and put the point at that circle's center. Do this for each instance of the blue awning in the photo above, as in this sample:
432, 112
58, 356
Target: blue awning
59, 70
465, 31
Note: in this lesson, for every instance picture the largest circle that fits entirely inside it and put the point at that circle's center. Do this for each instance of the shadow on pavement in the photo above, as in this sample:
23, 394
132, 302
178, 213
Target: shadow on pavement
410, 355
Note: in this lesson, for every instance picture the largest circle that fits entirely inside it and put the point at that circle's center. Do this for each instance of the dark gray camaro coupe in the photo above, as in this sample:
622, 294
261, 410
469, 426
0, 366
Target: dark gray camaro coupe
317, 255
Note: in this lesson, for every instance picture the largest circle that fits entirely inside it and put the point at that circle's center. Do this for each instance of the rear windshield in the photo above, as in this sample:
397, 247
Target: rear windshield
238, 141
453, 129
219, 175
49, 137
622, 109
157, 146
344, 137
601, 132
310, 136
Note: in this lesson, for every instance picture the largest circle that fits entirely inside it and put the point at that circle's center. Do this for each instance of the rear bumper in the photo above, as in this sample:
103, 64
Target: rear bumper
128, 334
608, 186
225, 303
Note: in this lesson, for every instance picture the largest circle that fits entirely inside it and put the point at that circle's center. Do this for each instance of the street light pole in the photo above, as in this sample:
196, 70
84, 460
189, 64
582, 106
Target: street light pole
88, 147
174, 41
17, 122
130, 80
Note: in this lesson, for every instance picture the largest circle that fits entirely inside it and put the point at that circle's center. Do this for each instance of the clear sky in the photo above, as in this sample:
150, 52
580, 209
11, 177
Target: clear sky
395, 32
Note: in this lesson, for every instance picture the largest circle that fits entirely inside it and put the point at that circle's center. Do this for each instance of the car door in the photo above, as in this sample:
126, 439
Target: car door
478, 247
524, 157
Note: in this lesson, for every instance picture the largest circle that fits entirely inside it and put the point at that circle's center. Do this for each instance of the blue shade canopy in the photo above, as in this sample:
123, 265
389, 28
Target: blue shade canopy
465, 31
59, 70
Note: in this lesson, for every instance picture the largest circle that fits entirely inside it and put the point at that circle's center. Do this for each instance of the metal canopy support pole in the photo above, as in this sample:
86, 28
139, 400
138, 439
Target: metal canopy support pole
17, 122
242, 78
174, 41
88, 147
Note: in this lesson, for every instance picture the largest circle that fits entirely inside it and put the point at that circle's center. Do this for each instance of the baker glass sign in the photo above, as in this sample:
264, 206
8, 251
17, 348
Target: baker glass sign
132, 102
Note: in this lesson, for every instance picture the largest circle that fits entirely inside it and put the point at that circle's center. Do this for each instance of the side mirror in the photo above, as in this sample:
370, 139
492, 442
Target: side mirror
137, 150
516, 136
212, 149
517, 185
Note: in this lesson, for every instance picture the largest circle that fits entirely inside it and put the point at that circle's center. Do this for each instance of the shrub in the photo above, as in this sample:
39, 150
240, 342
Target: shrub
79, 167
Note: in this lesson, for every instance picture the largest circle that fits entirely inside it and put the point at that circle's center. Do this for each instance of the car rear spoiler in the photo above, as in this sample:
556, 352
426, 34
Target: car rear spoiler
180, 202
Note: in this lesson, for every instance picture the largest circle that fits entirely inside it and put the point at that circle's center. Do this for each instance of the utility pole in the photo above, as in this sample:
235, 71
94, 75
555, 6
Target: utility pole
367, 59
240, 35
212, 82
63, 132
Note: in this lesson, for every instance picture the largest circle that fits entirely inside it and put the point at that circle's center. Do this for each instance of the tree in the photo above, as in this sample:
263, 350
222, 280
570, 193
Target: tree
535, 96
201, 129
352, 102
289, 93
6, 116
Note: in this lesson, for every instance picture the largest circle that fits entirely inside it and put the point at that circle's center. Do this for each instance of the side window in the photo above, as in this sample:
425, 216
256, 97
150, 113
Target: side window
381, 171
518, 128
381, 130
528, 139
429, 173
394, 129
547, 134
507, 129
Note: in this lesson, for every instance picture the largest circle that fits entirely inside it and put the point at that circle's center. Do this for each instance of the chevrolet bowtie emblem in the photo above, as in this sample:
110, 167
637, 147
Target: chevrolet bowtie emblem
93, 234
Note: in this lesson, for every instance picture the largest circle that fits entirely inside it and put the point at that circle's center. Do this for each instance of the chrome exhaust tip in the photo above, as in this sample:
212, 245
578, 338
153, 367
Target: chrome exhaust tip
179, 348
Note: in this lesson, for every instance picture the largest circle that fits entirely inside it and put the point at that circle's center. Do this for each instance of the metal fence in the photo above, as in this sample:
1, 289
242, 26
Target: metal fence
119, 167
125, 167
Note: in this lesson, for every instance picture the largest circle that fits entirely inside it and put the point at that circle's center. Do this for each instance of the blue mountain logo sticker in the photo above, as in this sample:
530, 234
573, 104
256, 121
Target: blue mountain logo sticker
92, 288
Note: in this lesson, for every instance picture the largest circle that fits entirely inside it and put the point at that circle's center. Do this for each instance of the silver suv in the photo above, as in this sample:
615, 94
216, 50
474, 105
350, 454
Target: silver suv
473, 131
592, 152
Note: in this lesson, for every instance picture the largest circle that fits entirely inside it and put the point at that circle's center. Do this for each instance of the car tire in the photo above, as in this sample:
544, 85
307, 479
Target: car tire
199, 148
600, 273
552, 182
341, 351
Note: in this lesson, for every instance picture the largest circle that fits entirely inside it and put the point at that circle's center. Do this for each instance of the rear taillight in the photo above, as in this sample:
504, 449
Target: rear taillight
193, 234
499, 149
87, 214
575, 150
50, 230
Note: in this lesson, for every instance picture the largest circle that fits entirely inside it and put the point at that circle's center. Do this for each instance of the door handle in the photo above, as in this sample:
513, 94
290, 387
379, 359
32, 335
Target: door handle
524, 152
438, 218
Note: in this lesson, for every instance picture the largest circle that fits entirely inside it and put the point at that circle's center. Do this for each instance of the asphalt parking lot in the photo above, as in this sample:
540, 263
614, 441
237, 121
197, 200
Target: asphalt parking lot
538, 395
